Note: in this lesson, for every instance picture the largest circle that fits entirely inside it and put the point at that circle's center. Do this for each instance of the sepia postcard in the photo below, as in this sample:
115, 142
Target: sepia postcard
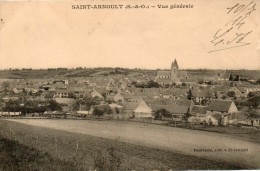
114, 85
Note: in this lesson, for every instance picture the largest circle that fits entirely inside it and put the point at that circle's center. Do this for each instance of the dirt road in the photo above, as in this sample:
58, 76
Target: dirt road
214, 146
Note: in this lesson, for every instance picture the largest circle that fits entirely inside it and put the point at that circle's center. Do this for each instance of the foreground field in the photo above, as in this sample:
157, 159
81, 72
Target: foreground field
80, 150
16, 156
245, 133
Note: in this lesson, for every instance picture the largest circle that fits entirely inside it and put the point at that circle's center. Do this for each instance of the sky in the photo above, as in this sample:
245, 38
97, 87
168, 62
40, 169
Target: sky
52, 34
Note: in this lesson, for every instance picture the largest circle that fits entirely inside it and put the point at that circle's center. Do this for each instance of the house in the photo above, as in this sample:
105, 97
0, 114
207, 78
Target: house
183, 102
177, 112
205, 94
130, 97
116, 108
130, 107
148, 93
239, 91
10, 113
18, 90
110, 97
66, 103
242, 118
139, 108
220, 88
213, 119
143, 110
127, 91
81, 113
95, 93
123, 84
224, 76
252, 88
222, 107
80, 92
223, 96
31, 90
199, 110
189, 81
179, 93
225, 108
111, 85
63, 93
55, 114
119, 98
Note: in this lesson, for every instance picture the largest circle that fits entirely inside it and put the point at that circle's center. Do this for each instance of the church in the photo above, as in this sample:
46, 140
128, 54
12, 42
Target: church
174, 75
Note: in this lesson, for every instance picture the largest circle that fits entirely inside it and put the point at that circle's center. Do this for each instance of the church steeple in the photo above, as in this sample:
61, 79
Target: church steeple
175, 64
174, 69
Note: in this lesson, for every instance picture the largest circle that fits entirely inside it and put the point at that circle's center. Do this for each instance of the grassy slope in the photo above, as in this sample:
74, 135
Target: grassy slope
63, 146
247, 133
59, 73
16, 156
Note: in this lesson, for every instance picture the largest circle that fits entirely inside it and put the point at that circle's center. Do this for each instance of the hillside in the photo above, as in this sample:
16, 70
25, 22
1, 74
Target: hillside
65, 73
91, 72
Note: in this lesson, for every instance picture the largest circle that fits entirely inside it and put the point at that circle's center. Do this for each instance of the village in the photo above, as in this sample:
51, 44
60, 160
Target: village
171, 95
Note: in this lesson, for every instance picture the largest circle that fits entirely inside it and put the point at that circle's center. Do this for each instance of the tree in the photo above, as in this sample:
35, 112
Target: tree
236, 78
189, 95
253, 102
49, 95
209, 83
204, 102
12, 106
201, 82
258, 81
100, 110
230, 77
186, 116
107, 160
76, 105
152, 84
54, 106
231, 94
159, 114
250, 94
252, 115
5, 85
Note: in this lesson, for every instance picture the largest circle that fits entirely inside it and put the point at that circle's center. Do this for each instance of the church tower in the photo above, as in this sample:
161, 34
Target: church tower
174, 70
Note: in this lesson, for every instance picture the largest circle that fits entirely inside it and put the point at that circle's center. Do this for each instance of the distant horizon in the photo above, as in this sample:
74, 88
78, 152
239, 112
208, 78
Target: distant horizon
32, 68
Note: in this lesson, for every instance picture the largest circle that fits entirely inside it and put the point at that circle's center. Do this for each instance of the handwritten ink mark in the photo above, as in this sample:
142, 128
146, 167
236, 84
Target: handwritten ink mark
234, 33
216, 36
239, 11
228, 48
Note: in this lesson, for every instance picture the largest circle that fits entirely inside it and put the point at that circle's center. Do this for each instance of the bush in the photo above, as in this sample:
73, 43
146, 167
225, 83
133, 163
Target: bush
100, 110
250, 94
108, 160
159, 114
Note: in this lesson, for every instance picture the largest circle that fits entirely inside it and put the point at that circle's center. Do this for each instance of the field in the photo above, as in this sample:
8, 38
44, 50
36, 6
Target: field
16, 156
88, 72
174, 140
248, 133
80, 150
60, 73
